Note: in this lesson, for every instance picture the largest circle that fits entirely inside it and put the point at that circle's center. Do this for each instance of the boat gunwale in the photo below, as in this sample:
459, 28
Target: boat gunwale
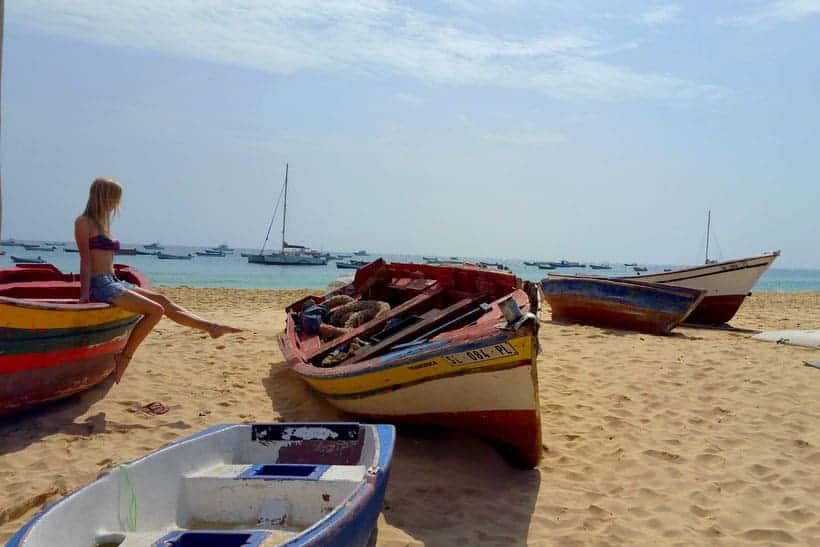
688, 270
47, 304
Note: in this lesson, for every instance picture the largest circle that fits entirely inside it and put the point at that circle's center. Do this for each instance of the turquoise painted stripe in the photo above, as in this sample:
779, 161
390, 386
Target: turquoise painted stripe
20, 341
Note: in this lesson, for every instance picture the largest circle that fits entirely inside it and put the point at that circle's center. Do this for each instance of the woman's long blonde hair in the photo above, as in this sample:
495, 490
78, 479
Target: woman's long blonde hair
103, 202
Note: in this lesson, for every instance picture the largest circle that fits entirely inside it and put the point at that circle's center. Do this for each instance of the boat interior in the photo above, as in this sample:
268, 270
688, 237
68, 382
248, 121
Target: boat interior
46, 282
248, 484
425, 301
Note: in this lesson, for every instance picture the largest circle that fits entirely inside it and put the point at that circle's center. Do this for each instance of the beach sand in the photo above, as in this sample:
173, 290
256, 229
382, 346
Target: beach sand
703, 437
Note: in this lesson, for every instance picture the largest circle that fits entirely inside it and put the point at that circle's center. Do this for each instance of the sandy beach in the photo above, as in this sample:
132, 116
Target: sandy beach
703, 437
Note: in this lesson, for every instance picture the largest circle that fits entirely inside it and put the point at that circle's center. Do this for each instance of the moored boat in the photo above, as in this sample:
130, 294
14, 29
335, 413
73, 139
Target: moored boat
38, 247
53, 346
27, 259
165, 256
350, 264
294, 484
632, 305
439, 350
289, 255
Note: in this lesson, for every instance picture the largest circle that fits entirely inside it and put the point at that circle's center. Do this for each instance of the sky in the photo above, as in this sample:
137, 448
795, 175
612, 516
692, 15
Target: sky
586, 130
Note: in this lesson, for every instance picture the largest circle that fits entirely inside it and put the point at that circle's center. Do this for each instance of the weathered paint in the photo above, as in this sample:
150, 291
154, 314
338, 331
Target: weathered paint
645, 307
463, 378
199, 471
725, 284
51, 346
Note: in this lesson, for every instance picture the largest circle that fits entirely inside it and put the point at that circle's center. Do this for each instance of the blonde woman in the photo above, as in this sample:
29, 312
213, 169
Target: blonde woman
92, 231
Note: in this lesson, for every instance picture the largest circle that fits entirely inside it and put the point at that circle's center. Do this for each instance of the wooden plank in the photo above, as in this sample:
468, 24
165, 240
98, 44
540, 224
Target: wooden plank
376, 323
411, 331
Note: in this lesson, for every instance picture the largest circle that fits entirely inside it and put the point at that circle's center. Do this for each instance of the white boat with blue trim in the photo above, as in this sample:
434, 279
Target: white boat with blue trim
244, 485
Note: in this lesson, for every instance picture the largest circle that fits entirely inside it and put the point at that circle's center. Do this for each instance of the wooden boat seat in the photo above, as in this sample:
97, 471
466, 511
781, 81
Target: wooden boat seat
431, 320
406, 307
410, 284
251, 498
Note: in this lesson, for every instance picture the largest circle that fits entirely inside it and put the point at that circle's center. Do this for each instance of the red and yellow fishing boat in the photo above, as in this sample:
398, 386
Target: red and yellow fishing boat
452, 346
51, 346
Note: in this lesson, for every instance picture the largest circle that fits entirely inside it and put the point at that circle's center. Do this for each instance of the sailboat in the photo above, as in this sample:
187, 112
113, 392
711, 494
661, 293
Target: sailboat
725, 284
289, 255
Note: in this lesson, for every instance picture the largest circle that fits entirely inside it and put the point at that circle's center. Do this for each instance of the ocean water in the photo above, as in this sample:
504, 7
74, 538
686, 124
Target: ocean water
234, 271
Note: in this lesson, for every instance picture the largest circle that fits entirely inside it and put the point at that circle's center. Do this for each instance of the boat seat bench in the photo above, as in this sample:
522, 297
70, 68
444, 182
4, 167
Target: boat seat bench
240, 493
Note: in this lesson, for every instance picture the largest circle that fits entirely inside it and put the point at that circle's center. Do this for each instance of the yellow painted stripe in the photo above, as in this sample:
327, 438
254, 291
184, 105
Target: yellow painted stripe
20, 317
416, 371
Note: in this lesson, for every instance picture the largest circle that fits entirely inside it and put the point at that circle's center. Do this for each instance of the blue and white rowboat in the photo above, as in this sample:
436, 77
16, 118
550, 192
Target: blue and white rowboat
647, 307
247, 485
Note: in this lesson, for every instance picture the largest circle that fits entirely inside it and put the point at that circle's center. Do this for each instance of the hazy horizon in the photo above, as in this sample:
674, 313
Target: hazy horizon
495, 129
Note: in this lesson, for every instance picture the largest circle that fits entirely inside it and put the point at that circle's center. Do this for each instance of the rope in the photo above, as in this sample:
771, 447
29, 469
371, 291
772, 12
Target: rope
132, 505
276, 208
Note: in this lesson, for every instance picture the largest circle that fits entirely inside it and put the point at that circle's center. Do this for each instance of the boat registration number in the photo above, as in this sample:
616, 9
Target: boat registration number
481, 354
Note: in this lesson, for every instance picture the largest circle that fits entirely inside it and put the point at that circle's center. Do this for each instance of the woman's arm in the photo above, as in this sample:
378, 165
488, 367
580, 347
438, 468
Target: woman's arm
82, 231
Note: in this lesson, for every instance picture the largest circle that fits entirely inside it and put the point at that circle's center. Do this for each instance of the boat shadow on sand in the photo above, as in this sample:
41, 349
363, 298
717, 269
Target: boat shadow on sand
612, 331
446, 487
65, 416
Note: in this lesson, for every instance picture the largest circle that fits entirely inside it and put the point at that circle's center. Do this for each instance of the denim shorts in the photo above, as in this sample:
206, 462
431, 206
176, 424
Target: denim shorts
106, 288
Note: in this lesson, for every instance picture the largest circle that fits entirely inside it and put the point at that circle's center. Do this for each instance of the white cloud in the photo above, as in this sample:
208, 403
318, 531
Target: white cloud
660, 14
781, 10
368, 36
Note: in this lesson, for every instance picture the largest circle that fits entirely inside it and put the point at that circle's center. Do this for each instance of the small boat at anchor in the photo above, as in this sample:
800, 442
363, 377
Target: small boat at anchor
164, 256
38, 248
53, 346
452, 346
27, 259
289, 254
631, 305
350, 264
233, 485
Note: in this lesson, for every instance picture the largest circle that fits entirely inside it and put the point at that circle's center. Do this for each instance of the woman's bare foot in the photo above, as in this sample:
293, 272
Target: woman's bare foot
216, 330
121, 361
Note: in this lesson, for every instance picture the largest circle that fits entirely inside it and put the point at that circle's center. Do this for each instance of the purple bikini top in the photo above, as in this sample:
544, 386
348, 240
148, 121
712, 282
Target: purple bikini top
103, 243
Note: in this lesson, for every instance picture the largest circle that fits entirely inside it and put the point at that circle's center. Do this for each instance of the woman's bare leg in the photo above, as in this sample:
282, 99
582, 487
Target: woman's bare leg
151, 314
180, 315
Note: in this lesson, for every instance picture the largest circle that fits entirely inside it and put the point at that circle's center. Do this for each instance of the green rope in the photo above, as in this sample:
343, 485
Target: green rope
132, 505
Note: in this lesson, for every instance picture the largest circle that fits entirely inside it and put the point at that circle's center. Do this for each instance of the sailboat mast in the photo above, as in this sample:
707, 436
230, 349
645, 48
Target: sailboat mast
285, 210
708, 227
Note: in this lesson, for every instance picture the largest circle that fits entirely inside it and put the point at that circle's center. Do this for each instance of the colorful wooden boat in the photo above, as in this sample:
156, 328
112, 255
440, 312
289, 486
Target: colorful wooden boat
231, 486
53, 346
726, 285
632, 305
444, 353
